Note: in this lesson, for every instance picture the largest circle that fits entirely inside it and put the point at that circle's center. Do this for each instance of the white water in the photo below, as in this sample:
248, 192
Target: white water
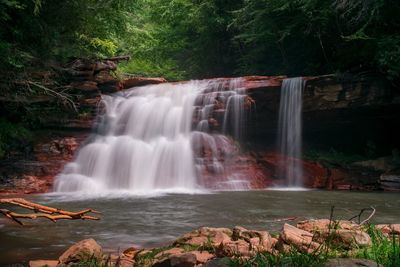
145, 142
290, 130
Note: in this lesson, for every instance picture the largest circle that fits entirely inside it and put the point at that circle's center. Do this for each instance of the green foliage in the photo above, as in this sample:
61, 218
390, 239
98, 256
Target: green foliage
384, 250
12, 135
332, 157
280, 260
182, 39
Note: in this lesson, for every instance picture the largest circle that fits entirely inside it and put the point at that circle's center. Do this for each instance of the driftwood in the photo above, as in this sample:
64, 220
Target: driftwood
372, 209
41, 211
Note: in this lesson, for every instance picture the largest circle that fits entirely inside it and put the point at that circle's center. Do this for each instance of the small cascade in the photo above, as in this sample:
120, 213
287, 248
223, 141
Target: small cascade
157, 137
290, 131
224, 102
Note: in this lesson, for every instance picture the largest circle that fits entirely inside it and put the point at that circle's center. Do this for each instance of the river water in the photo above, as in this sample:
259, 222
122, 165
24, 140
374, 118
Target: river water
150, 221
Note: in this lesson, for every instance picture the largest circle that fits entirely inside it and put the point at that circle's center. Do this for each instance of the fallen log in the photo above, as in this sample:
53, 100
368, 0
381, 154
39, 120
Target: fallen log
41, 211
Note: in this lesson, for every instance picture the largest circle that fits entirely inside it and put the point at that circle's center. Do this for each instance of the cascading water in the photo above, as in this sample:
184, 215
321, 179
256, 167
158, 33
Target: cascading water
290, 131
145, 142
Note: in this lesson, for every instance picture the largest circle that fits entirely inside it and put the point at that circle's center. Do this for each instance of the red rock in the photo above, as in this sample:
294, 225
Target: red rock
238, 248
43, 263
170, 252
140, 81
323, 225
202, 256
205, 235
300, 239
80, 251
260, 241
86, 86
130, 252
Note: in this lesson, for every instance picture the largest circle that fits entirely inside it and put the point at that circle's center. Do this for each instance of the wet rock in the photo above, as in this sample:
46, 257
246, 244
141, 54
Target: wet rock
260, 241
43, 263
81, 251
346, 262
205, 236
300, 239
141, 81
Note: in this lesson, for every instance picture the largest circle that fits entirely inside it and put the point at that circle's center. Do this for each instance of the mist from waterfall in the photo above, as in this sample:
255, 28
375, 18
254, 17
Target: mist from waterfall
151, 138
290, 131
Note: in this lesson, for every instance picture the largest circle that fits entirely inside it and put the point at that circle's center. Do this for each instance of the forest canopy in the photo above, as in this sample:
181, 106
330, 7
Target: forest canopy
182, 39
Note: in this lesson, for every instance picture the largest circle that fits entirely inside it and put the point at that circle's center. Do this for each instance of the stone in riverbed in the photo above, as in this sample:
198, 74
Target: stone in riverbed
81, 251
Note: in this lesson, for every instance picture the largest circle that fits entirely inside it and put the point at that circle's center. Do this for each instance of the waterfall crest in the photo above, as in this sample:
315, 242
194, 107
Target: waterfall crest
290, 131
155, 137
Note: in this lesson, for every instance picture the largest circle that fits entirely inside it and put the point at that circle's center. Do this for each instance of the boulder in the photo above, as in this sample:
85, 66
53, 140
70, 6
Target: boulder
130, 252
124, 261
205, 236
354, 238
323, 225
348, 239
238, 248
182, 260
389, 229
202, 256
42, 263
299, 239
221, 262
81, 251
260, 241
348, 262
170, 252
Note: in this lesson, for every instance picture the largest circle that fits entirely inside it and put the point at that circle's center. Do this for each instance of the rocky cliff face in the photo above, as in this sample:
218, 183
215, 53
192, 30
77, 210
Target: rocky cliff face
338, 112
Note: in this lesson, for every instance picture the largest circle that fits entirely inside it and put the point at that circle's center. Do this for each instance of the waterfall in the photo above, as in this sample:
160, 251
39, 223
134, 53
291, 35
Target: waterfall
290, 131
156, 137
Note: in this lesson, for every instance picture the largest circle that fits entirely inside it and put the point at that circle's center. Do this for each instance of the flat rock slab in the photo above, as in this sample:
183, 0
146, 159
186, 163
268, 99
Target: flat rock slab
342, 262
42, 263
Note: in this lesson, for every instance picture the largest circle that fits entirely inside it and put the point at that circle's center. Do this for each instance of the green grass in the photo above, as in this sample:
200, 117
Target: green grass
384, 250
